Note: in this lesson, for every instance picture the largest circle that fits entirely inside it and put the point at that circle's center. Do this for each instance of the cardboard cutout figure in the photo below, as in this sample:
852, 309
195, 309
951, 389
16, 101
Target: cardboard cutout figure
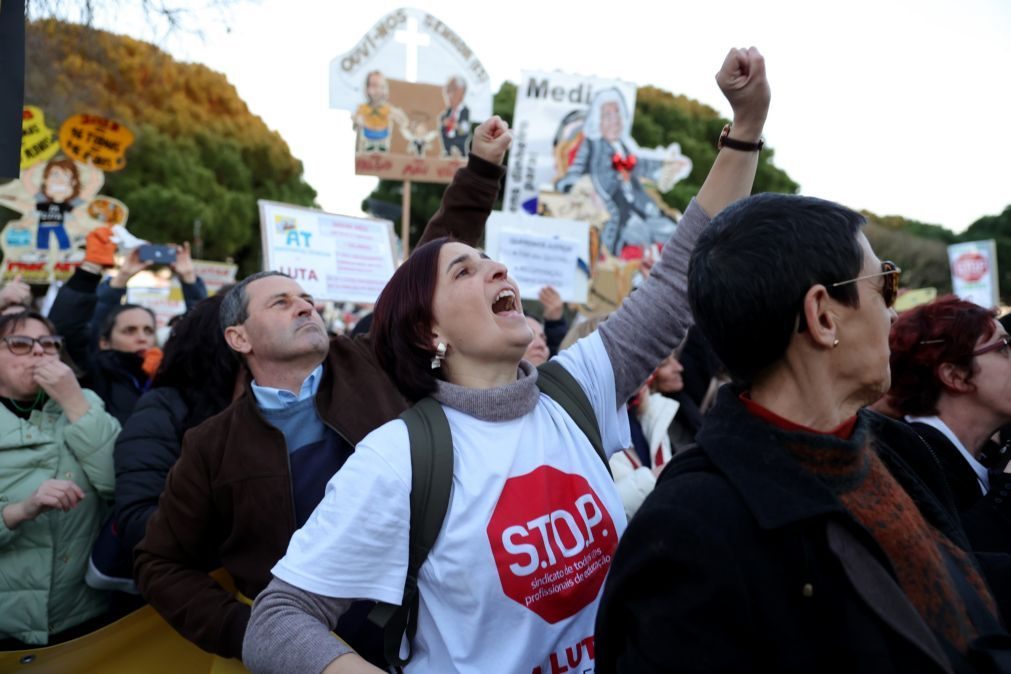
573, 141
401, 135
455, 119
372, 118
617, 167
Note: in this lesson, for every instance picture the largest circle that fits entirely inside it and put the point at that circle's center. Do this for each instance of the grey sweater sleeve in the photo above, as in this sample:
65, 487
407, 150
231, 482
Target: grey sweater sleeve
289, 630
655, 318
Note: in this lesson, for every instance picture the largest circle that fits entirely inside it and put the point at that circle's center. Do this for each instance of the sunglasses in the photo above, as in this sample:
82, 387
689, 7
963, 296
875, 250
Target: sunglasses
21, 345
889, 289
1000, 345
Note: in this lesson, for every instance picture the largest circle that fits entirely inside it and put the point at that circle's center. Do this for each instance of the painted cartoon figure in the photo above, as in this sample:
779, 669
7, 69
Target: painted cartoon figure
372, 118
417, 133
52, 198
617, 166
454, 121
58, 196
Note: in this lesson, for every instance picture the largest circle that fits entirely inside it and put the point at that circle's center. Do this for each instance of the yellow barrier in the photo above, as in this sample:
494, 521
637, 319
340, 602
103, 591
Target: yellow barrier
140, 642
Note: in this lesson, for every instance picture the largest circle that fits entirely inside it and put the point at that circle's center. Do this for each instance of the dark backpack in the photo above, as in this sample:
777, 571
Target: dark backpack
431, 481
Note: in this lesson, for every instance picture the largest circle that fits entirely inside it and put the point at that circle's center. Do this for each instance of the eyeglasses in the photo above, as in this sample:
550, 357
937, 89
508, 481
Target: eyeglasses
890, 288
21, 345
1000, 345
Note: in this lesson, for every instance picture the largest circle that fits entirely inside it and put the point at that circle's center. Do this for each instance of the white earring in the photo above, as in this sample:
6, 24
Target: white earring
440, 355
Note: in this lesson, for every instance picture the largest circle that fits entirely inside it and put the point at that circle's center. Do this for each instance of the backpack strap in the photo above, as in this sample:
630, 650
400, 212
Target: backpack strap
558, 384
431, 481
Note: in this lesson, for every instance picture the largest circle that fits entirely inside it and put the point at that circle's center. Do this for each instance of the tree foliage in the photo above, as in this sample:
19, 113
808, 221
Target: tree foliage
199, 154
160, 16
661, 118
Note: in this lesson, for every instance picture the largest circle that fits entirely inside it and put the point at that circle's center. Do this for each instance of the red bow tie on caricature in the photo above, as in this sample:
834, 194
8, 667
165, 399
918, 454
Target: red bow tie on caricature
623, 164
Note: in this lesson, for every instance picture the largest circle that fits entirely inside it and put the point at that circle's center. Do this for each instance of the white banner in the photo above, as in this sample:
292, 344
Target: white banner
541, 252
974, 272
333, 257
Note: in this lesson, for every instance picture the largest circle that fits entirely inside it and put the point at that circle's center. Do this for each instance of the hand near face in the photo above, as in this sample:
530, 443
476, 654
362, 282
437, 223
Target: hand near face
492, 139
58, 381
742, 80
552, 302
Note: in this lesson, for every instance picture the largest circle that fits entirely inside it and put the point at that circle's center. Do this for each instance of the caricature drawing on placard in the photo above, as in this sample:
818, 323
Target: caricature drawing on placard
50, 196
455, 119
373, 118
617, 167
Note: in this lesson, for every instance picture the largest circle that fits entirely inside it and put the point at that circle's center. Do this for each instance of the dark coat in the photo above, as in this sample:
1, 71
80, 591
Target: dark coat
147, 448
740, 562
229, 496
986, 519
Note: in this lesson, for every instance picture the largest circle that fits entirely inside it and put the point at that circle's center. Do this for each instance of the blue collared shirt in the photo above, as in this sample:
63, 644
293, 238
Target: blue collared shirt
269, 398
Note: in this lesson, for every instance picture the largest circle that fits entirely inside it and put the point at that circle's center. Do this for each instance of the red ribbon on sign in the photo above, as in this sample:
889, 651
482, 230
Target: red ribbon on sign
626, 164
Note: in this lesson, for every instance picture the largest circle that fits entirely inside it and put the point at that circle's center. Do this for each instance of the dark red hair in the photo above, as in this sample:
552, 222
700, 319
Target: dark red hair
402, 323
943, 331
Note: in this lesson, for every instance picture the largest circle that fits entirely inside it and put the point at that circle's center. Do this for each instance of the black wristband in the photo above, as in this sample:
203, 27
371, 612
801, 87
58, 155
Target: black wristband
740, 145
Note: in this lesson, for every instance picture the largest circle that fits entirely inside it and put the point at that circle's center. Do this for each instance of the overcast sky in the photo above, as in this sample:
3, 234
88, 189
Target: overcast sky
894, 106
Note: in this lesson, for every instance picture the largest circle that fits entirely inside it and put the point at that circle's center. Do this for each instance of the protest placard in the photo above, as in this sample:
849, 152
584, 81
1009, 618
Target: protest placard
333, 257
974, 272
541, 252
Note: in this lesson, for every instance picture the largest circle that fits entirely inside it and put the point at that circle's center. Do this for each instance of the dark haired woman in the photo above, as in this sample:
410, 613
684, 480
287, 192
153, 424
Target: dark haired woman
56, 475
116, 344
514, 578
198, 378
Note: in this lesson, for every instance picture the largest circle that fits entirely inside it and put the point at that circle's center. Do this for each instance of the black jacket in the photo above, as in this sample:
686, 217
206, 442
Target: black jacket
740, 562
147, 448
986, 519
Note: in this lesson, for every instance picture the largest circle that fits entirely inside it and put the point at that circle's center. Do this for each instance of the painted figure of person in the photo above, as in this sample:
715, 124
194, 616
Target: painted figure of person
617, 166
372, 118
59, 195
455, 119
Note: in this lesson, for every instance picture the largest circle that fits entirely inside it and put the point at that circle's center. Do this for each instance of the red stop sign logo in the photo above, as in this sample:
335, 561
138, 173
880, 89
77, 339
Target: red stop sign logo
971, 267
553, 541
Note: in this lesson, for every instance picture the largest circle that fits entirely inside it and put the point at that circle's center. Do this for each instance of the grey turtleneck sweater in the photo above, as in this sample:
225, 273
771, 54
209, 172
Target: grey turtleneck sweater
289, 630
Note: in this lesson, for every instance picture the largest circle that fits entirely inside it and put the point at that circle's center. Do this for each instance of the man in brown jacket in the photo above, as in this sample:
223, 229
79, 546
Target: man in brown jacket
247, 478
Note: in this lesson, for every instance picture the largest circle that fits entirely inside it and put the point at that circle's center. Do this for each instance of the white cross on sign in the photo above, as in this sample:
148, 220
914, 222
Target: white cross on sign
412, 39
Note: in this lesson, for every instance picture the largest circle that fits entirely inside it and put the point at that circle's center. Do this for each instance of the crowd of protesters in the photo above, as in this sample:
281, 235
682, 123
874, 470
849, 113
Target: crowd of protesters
753, 464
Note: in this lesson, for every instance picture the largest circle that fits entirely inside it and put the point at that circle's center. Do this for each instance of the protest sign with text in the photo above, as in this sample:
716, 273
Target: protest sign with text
541, 252
333, 257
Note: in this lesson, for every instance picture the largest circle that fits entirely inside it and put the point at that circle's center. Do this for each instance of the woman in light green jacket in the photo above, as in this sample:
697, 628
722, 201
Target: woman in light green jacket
56, 481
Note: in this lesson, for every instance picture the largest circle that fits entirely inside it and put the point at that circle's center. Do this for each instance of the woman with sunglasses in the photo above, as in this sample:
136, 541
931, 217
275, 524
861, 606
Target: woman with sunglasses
56, 480
951, 380
794, 539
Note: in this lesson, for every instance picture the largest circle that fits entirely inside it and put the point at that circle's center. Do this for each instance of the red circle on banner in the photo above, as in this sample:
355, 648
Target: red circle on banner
970, 267
552, 540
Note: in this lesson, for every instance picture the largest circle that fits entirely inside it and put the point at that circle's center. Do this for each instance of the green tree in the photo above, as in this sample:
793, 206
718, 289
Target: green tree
661, 118
199, 153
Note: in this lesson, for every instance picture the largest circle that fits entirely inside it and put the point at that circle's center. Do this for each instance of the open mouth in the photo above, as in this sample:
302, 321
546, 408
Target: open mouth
505, 302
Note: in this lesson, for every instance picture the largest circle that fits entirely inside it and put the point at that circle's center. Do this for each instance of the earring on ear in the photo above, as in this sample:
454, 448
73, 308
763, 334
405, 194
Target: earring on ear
440, 355
835, 343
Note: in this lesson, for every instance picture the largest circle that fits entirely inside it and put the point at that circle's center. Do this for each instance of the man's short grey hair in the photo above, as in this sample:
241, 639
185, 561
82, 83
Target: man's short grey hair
235, 307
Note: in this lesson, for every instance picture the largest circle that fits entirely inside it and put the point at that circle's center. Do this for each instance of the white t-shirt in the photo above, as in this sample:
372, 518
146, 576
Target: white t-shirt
513, 581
